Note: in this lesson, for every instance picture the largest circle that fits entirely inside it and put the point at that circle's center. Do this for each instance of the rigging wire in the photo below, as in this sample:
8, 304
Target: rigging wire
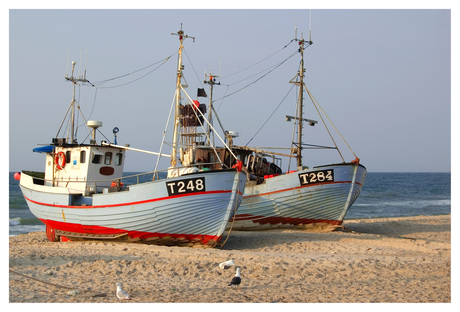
94, 104
228, 85
122, 76
111, 79
212, 128
193, 68
263, 76
258, 62
256, 74
124, 84
226, 90
316, 104
164, 132
271, 115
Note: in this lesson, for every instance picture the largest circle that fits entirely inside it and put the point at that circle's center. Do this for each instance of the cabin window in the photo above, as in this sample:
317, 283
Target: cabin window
67, 157
108, 158
97, 159
82, 157
118, 159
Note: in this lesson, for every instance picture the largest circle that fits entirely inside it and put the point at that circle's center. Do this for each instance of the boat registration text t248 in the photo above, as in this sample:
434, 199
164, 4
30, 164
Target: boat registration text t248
316, 177
186, 186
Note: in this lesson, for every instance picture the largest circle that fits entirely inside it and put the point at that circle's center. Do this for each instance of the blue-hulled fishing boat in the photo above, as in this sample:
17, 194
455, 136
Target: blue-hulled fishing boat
82, 195
311, 198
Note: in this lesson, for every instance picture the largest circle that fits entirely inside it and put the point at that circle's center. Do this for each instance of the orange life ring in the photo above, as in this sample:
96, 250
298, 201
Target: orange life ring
61, 165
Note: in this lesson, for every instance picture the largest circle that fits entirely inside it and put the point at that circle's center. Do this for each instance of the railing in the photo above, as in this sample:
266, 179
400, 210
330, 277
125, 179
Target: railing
97, 186
94, 186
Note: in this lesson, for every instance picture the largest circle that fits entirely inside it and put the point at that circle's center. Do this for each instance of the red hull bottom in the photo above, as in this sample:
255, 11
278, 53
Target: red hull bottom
283, 220
73, 231
262, 222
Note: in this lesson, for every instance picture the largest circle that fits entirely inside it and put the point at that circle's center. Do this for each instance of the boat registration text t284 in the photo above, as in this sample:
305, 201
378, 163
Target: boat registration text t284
316, 177
186, 186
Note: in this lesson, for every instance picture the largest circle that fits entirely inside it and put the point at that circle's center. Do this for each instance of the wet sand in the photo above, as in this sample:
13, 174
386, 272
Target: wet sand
372, 260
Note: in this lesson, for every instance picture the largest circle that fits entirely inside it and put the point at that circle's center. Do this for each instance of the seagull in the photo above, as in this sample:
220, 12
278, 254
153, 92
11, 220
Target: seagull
121, 294
236, 280
227, 264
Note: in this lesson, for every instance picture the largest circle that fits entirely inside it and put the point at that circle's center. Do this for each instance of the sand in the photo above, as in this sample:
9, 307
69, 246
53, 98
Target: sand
372, 260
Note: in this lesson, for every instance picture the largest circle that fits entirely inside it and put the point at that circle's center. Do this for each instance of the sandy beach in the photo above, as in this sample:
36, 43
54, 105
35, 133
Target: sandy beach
373, 260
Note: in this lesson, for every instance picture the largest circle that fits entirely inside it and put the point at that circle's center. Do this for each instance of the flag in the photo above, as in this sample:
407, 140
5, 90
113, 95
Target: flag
201, 93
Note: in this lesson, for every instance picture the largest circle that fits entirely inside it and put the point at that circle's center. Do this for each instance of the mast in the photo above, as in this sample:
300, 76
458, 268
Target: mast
180, 67
300, 75
72, 117
211, 83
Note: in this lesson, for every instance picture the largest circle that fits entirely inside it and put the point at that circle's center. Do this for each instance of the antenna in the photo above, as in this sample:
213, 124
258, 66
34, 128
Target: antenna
310, 27
67, 69
210, 58
86, 62
79, 67
295, 26
220, 63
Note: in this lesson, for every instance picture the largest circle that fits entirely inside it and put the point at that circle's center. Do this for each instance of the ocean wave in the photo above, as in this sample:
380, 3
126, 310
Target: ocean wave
15, 221
24, 229
409, 203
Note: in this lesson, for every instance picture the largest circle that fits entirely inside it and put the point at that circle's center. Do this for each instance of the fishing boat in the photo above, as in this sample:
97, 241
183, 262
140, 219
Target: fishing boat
310, 198
83, 195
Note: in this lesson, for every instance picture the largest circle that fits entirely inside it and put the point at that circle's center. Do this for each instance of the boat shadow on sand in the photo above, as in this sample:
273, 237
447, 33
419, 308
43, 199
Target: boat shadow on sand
404, 228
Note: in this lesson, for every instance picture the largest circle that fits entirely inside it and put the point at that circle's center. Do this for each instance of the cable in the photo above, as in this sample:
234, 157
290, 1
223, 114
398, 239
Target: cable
257, 62
191, 64
110, 79
124, 84
271, 115
36, 279
259, 77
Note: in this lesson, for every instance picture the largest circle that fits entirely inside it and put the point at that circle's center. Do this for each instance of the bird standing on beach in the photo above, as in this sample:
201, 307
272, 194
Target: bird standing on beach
236, 280
121, 294
227, 264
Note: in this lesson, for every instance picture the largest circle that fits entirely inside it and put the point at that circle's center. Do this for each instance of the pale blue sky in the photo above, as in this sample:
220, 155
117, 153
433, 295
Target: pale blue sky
382, 76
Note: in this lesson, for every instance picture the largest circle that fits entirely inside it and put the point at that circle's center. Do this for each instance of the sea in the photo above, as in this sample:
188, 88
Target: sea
384, 195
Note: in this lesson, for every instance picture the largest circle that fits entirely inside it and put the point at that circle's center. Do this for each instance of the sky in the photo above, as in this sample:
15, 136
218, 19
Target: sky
383, 76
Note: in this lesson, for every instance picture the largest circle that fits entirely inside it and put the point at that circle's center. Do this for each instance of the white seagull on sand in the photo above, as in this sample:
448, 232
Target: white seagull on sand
121, 294
236, 280
227, 264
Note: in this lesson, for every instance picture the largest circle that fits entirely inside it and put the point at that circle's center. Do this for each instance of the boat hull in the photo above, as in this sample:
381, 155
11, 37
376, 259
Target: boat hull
189, 210
306, 199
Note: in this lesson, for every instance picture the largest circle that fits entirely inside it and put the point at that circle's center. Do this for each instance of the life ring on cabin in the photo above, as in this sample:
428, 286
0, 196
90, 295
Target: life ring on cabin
60, 165
115, 183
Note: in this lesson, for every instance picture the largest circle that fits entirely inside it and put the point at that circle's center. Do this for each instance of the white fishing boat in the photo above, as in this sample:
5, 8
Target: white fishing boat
82, 194
317, 197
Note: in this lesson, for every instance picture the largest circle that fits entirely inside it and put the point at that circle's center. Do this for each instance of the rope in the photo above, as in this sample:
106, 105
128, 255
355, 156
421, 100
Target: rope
96, 294
124, 84
257, 62
110, 79
55, 285
270, 116
204, 117
222, 98
234, 215
330, 122
314, 103
193, 68
164, 132
259, 77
